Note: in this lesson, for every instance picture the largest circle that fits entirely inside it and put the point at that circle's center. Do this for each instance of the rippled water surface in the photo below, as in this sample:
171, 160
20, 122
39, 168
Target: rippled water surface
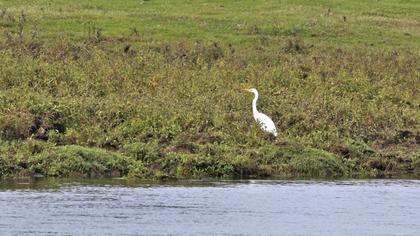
116, 207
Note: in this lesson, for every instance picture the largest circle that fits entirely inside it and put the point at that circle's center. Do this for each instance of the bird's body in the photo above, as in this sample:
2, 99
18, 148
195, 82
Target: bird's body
267, 125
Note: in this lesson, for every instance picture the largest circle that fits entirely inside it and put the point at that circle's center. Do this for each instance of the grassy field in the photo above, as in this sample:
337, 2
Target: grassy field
387, 23
153, 89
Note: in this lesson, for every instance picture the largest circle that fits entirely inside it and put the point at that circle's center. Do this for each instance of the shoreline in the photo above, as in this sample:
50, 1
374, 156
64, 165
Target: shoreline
91, 163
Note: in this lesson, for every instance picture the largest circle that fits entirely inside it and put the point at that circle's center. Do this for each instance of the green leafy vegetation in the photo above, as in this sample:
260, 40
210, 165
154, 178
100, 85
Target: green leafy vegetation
153, 89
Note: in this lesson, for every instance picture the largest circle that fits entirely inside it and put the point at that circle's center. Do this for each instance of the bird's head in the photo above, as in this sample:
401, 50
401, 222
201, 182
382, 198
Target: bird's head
252, 90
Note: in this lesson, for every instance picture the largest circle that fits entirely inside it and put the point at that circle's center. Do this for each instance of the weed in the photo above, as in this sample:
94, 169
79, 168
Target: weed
169, 106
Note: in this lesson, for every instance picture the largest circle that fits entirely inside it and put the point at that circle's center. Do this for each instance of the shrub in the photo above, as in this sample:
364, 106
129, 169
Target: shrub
74, 160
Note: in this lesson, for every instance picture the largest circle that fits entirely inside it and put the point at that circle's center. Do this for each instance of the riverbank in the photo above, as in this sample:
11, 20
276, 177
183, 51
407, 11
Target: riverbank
168, 107
40, 159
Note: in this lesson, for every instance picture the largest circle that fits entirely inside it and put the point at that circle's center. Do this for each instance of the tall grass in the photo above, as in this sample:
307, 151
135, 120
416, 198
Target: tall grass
176, 109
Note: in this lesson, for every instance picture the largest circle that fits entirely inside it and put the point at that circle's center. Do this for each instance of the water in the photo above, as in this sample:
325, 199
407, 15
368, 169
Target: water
116, 207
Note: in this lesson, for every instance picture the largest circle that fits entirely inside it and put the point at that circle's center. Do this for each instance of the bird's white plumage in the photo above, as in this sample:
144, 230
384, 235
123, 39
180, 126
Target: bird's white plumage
267, 125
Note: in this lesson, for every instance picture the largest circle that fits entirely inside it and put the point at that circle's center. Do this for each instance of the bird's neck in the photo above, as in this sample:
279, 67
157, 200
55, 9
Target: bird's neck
254, 105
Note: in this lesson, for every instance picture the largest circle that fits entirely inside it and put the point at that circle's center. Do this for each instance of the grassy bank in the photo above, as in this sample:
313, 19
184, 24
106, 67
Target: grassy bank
152, 89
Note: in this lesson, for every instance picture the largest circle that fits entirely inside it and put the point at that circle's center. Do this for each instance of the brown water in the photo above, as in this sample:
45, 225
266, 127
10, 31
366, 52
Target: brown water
117, 207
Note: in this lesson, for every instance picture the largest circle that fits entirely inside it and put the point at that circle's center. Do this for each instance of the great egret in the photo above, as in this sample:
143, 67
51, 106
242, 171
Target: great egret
267, 125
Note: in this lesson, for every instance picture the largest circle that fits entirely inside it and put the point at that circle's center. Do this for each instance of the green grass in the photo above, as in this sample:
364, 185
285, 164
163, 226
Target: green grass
153, 89
388, 23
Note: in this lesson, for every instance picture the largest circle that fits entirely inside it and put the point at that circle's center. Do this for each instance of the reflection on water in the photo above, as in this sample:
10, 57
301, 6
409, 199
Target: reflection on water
118, 207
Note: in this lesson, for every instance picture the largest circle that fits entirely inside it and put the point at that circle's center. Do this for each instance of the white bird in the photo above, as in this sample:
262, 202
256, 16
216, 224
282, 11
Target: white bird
267, 125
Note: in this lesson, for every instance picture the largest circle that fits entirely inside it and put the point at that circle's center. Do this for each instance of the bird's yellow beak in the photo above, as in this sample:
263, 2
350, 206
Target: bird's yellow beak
246, 90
